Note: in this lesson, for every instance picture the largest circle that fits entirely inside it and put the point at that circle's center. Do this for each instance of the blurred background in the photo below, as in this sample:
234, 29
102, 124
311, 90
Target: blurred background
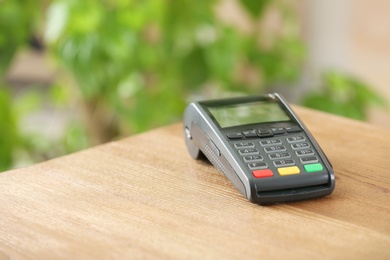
74, 74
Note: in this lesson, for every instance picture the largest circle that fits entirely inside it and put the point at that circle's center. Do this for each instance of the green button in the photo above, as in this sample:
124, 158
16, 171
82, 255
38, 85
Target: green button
315, 167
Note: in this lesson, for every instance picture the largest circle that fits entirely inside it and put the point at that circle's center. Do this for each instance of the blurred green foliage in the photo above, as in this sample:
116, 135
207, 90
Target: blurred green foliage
9, 135
343, 95
137, 62
17, 22
129, 65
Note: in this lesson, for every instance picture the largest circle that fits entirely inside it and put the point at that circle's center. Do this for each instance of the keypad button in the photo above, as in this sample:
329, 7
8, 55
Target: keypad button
281, 163
264, 132
270, 142
237, 135
300, 146
253, 158
274, 156
250, 133
278, 131
279, 148
262, 173
248, 151
257, 165
289, 170
304, 152
311, 159
292, 129
315, 167
244, 145
295, 139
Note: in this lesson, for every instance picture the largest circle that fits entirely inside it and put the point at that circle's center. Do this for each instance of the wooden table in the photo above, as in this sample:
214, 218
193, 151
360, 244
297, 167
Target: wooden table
144, 197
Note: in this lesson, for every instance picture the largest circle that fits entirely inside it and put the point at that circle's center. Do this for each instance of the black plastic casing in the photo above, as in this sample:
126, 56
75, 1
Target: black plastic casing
203, 135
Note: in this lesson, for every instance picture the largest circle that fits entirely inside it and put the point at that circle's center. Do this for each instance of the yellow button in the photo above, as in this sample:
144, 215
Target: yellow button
289, 170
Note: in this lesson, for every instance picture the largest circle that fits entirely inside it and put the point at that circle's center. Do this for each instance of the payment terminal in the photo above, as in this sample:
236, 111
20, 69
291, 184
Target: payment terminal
261, 146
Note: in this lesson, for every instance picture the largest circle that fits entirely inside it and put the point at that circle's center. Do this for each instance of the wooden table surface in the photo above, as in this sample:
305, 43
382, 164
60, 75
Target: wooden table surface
144, 197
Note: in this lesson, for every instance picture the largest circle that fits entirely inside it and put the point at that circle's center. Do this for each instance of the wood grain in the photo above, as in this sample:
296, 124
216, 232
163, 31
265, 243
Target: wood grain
144, 197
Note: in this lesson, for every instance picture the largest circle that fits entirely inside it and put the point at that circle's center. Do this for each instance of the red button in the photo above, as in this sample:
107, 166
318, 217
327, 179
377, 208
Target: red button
262, 173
